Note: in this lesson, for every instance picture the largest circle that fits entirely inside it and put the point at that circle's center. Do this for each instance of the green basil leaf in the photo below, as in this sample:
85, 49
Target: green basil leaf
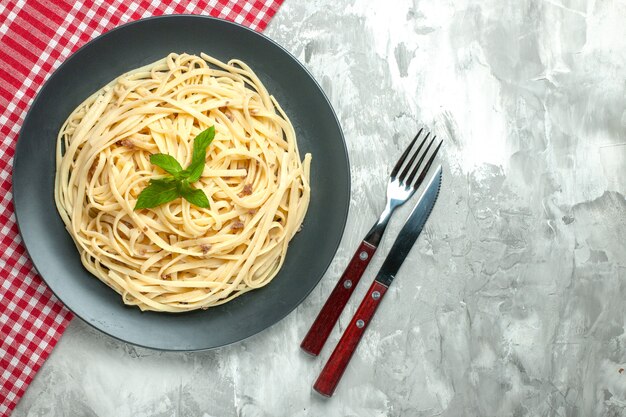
164, 181
198, 159
160, 191
194, 196
166, 162
200, 143
194, 172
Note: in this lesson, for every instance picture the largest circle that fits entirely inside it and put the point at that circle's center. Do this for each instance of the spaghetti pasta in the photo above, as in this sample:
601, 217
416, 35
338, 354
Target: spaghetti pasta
178, 257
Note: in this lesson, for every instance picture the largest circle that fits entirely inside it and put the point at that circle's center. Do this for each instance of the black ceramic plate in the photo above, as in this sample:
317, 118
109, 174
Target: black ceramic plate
131, 46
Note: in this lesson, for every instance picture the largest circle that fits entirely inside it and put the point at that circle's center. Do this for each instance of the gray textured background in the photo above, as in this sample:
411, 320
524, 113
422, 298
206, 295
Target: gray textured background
514, 301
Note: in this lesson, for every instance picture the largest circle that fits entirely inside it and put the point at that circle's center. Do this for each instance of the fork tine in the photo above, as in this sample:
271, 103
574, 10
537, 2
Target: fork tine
426, 168
405, 154
409, 165
415, 167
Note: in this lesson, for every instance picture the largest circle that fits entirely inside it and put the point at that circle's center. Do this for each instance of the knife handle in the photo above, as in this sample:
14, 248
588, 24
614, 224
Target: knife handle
330, 312
339, 359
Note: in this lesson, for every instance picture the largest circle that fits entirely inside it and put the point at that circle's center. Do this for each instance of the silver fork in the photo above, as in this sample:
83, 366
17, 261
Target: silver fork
403, 182
402, 187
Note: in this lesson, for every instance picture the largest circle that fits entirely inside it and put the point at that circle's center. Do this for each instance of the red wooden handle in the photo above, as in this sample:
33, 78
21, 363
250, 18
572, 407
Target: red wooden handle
330, 312
338, 361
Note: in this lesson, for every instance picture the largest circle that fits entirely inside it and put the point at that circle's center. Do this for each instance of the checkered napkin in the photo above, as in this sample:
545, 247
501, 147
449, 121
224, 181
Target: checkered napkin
35, 37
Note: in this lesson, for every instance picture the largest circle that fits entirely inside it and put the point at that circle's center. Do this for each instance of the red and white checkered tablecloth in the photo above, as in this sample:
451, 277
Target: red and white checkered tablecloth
35, 37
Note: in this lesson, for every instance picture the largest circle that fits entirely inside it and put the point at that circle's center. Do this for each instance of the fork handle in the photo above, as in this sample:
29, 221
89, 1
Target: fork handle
330, 312
339, 359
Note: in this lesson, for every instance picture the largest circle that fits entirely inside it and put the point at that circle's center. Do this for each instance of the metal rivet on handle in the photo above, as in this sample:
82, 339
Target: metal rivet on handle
363, 255
347, 284
360, 324
375, 295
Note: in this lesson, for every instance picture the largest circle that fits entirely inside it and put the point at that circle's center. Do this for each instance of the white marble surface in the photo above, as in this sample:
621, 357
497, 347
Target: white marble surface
514, 304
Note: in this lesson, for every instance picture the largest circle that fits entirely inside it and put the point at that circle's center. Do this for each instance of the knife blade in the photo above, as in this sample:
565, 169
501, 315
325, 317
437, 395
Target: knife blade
410, 231
339, 359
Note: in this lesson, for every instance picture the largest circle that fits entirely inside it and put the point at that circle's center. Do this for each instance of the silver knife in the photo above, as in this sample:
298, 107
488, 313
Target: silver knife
339, 359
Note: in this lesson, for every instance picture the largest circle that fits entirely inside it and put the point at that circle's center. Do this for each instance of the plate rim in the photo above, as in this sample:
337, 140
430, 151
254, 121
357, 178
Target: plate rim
213, 20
